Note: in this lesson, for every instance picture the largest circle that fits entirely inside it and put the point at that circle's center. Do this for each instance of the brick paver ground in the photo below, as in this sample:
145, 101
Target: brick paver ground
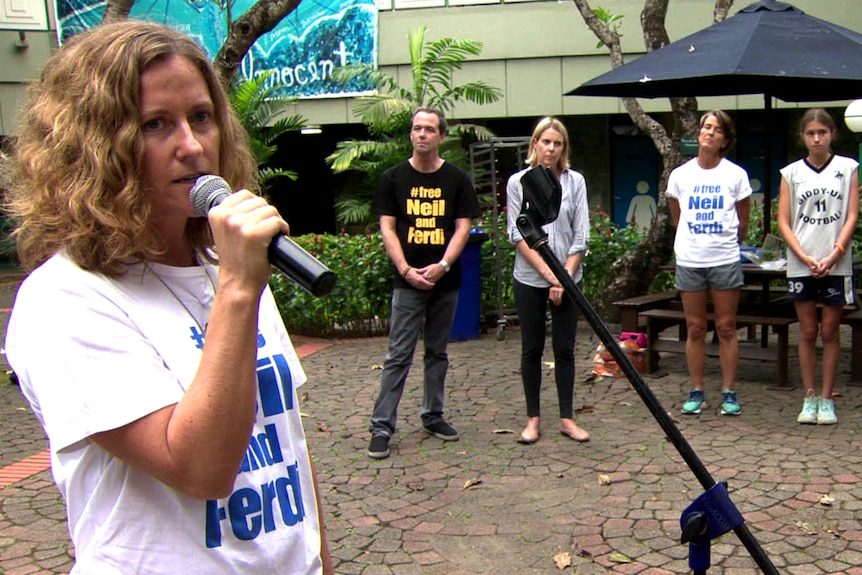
486, 504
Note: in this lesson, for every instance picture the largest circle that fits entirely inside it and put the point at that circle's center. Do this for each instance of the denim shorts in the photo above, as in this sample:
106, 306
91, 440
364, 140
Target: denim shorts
718, 278
831, 290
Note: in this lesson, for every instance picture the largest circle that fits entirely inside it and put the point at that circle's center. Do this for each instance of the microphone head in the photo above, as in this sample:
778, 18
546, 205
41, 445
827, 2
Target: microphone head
207, 192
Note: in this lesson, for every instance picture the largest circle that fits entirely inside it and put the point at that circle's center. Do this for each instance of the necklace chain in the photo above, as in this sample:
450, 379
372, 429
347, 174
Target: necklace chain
180, 301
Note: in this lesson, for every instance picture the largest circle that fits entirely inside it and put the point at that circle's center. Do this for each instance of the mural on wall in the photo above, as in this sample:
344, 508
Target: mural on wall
303, 50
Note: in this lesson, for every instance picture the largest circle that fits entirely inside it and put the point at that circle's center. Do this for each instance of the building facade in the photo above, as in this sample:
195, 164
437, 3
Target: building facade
533, 50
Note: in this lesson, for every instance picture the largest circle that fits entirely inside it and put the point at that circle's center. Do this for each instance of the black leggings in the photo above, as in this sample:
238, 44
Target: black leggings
532, 304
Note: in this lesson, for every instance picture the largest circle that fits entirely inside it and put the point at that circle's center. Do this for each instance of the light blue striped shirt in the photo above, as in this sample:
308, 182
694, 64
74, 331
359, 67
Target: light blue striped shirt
567, 235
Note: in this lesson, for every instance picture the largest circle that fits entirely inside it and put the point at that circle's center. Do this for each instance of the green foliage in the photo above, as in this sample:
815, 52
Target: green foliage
386, 115
359, 302
754, 237
488, 267
608, 243
610, 19
261, 112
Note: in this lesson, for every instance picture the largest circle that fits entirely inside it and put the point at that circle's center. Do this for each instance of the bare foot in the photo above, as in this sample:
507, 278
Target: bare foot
531, 433
570, 429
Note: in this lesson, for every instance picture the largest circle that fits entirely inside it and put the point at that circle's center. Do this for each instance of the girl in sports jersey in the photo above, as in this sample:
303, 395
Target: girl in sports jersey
818, 205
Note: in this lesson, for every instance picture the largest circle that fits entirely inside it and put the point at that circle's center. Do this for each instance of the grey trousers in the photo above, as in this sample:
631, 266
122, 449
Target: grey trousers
430, 313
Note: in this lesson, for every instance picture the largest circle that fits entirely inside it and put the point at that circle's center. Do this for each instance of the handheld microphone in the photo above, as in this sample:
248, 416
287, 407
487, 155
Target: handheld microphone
285, 254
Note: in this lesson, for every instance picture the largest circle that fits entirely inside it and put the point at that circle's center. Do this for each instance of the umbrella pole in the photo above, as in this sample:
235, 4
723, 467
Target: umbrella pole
767, 172
537, 239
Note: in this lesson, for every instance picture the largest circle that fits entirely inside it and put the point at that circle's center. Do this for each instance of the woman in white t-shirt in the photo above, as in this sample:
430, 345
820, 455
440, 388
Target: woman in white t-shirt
818, 206
710, 200
145, 337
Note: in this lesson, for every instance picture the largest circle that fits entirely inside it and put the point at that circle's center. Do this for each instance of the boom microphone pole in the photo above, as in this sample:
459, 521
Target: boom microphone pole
712, 514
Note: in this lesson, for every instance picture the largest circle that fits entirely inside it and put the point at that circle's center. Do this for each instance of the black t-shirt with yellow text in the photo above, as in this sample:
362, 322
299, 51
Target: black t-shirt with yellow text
425, 207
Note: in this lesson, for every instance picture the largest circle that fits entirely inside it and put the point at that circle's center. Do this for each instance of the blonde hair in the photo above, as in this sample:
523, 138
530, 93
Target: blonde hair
544, 124
74, 178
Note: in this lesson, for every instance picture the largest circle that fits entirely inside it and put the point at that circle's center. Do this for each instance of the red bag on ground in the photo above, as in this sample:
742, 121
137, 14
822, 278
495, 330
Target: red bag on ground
604, 364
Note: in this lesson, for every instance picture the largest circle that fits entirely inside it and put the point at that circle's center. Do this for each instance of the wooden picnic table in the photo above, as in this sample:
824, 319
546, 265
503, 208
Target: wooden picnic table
768, 309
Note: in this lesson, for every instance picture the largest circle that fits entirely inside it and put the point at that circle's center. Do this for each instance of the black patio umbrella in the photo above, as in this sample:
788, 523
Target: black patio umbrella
769, 48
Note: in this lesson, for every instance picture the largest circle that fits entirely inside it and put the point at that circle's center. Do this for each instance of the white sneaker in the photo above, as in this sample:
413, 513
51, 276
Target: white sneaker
809, 410
826, 412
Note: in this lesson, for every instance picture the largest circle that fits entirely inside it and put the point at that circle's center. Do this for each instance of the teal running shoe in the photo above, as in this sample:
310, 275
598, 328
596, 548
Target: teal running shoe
694, 405
729, 403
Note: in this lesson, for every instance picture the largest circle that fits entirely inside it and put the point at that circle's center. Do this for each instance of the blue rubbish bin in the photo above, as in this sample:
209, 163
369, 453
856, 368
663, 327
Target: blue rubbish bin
468, 313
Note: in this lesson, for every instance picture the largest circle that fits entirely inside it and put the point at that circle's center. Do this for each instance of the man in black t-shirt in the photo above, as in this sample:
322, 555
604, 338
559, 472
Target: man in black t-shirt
426, 207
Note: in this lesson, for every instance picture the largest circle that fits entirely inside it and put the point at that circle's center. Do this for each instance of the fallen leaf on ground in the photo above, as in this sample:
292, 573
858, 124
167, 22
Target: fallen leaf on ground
416, 486
808, 528
503, 431
563, 560
619, 558
604, 479
472, 483
585, 409
322, 426
376, 366
550, 364
827, 500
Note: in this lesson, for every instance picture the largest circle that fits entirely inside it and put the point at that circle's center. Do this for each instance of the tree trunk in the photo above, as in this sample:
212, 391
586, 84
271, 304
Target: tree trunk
116, 10
632, 274
260, 18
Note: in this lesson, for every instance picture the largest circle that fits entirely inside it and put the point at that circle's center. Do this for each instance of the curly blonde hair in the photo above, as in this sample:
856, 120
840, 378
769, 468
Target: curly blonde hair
549, 123
74, 178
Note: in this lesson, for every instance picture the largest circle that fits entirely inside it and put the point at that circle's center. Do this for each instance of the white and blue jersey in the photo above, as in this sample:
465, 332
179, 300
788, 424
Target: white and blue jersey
819, 200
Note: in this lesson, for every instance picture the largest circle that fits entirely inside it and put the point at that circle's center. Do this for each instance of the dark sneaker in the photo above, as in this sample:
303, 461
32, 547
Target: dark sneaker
379, 447
442, 430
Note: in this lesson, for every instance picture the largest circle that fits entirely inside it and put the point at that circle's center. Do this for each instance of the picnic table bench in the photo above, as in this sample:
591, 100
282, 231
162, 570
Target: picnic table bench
658, 320
853, 318
631, 308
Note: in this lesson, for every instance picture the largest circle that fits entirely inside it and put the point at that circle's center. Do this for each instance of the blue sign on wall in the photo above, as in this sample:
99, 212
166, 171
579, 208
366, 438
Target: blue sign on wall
302, 50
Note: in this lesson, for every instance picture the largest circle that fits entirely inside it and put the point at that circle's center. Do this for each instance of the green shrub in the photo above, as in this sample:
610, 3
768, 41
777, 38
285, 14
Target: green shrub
488, 267
608, 243
359, 304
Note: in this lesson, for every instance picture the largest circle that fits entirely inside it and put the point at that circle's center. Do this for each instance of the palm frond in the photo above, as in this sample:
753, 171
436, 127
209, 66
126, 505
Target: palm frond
477, 92
348, 152
387, 115
383, 114
267, 175
458, 131
352, 211
381, 81
416, 42
261, 111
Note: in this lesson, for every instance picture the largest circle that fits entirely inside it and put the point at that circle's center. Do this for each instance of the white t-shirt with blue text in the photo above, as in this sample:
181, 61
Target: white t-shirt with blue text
708, 227
94, 354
